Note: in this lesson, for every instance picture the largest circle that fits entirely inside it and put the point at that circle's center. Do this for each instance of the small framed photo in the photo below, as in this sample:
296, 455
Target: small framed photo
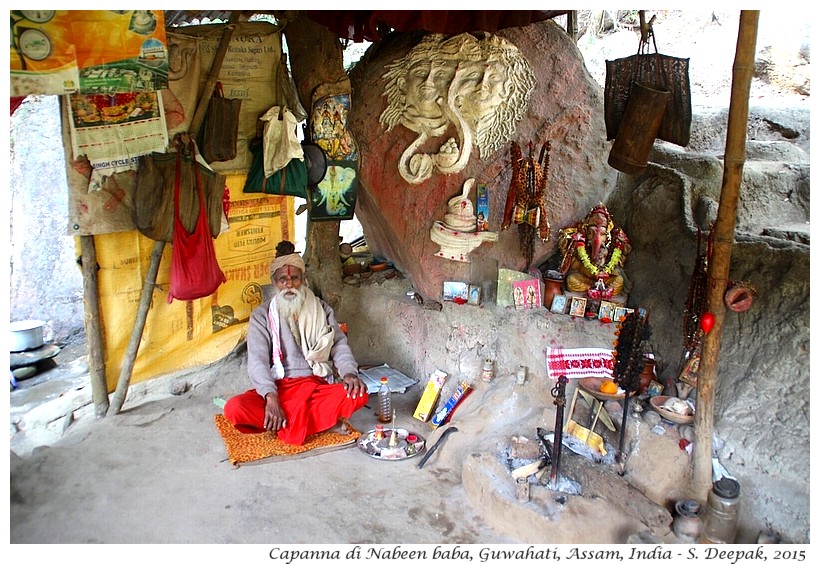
527, 294
619, 314
578, 307
559, 304
474, 295
606, 311
643, 315
654, 388
690, 371
455, 291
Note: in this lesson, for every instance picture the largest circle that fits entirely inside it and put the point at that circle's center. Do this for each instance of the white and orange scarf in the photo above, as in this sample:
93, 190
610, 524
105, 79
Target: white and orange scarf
315, 334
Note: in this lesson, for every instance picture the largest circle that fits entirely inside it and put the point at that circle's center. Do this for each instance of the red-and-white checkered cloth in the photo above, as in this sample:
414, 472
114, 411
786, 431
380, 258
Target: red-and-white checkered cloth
579, 363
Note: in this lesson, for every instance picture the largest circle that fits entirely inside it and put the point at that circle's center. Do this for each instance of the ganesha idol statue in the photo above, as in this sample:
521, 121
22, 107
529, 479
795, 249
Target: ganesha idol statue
594, 252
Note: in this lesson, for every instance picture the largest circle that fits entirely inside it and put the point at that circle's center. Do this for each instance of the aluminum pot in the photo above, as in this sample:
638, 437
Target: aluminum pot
26, 335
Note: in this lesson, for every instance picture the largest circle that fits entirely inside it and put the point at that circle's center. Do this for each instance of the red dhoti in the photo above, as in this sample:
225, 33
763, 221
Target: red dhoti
311, 405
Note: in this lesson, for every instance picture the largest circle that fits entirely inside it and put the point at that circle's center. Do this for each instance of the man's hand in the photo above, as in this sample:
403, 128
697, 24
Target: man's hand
274, 414
354, 386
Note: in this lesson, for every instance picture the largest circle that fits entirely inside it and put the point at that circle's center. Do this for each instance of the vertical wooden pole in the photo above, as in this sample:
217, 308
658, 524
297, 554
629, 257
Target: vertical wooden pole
93, 333
719, 262
156, 255
572, 25
118, 398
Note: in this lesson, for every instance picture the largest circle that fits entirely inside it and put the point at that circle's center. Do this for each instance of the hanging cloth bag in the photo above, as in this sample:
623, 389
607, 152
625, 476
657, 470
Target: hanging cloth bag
220, 128
153, 211
661, 72
288, 181
195, 272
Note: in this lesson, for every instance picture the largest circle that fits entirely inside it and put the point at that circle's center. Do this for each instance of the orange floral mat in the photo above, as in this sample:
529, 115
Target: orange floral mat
244, 448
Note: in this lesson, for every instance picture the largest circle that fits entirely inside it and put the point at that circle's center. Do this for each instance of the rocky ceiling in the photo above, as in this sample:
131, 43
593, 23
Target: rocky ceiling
370, 25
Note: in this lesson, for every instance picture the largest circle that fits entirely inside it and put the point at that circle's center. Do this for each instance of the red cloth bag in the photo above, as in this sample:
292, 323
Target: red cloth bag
195, 272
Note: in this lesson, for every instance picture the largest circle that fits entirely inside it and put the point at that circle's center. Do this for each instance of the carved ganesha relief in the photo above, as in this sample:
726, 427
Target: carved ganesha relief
480, 84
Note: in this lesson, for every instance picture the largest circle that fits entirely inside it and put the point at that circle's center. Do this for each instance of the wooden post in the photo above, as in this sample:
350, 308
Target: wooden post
94, 346
572, 25
719, 262
316, 55
159, 246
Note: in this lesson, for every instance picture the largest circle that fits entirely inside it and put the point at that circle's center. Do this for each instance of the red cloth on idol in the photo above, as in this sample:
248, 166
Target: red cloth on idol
311, 405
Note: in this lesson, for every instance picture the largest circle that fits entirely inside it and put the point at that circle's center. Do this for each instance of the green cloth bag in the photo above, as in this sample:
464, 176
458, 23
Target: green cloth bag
289, 181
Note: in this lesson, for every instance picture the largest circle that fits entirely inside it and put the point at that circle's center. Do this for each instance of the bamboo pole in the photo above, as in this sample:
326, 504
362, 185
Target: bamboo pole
94, 345
213, 75
136, 334
159, 246
719, 262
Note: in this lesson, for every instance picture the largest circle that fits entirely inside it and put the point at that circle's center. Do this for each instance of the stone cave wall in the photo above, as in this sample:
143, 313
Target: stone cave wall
762, 393
565, 108
762, 396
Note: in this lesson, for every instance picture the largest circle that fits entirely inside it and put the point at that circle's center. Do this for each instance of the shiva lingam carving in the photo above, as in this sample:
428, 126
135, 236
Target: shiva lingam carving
478, 85
457, 235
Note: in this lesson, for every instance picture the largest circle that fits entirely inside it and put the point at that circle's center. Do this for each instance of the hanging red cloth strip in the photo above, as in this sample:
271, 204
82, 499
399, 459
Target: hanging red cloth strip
15, 103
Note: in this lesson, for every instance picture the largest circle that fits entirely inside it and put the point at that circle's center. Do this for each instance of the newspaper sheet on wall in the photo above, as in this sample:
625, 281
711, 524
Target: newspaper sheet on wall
113, 130
108, 209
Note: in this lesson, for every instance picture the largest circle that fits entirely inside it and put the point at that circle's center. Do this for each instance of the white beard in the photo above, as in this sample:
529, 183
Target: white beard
289, 303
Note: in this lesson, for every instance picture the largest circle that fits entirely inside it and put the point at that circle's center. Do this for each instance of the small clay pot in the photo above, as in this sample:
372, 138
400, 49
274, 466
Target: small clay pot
648, 375
687, 524
552, 287
354, 268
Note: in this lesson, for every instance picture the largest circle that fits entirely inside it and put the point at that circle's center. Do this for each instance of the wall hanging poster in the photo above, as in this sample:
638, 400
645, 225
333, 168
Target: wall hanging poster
65, 51
334, 197
113, 130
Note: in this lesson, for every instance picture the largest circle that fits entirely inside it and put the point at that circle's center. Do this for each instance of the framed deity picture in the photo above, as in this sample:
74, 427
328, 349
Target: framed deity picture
577, 307
619, 314
606, 311
527, 294
690, 371
474, 295
643, 315
654, 388
559, 304
454, 291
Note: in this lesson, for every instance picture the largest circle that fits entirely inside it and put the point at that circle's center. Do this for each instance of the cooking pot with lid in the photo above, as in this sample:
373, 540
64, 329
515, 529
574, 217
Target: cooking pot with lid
26, 335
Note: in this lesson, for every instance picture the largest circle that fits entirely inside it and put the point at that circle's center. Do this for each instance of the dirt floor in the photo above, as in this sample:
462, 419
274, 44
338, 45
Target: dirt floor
158, 473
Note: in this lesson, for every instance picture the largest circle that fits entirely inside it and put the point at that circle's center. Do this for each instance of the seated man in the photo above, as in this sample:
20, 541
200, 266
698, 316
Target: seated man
294, 342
